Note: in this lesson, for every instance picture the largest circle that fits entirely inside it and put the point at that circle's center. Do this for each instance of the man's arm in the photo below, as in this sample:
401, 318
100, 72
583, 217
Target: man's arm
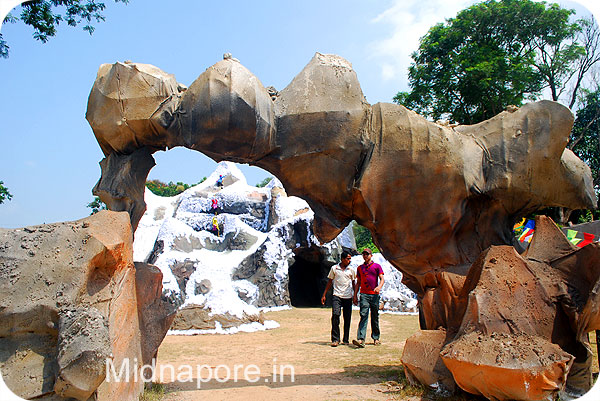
380, 285
356, 288
327, 287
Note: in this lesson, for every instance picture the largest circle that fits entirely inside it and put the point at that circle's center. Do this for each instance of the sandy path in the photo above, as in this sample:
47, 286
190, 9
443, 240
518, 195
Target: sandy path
301, 346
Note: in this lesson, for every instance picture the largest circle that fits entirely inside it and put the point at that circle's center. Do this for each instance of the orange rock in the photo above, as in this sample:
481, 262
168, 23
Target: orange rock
422, 362
507, 366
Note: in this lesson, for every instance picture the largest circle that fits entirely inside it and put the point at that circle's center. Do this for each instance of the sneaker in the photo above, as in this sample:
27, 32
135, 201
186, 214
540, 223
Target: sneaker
359, 343
377, 342
334, 344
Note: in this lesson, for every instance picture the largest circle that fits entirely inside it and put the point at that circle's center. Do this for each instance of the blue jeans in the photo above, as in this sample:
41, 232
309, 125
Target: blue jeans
369, 302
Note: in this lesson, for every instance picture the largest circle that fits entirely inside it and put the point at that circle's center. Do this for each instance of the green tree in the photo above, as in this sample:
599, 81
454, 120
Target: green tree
492, 55
4, 194
46, 15
589, 42
96, 205
363, 238
159, 188
264, 182
585, 136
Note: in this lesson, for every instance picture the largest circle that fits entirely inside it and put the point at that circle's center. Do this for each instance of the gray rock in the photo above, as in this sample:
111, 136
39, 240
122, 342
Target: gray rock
83, 348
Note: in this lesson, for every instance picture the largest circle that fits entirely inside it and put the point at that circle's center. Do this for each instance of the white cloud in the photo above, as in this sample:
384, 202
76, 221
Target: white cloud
409, 20
388, 71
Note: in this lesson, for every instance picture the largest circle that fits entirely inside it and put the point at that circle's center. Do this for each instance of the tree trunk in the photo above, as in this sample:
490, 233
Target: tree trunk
563, 215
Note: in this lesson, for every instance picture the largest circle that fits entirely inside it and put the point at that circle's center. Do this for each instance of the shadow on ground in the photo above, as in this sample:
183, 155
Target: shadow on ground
283, 377
391, 378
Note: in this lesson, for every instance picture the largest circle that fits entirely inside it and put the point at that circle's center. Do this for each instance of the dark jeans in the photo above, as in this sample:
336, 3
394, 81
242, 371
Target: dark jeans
338, 305
369, 302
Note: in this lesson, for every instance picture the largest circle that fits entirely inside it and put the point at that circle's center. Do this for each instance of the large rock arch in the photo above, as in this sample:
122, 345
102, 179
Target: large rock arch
434, 196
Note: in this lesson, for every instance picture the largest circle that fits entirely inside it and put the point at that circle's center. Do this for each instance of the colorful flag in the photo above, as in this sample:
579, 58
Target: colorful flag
528, 231
571, 236
519, 225
587, 239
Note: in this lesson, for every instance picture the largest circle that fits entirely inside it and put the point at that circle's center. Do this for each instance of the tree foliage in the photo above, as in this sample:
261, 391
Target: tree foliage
495, 54
96, 205
363, 238
502, 52
46, 15
585, 136
264, 182
4, 194
159, 188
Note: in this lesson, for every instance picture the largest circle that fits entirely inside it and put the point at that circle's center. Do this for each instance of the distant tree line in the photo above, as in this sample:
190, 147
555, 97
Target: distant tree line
264, 182
157, 187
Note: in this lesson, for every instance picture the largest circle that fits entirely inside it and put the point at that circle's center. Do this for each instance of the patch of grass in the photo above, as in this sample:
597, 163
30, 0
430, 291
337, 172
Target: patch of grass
401, 389
391, 373
153, 392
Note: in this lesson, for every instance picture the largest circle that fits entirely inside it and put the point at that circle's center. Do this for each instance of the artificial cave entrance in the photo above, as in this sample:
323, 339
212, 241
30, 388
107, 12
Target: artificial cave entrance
308, 278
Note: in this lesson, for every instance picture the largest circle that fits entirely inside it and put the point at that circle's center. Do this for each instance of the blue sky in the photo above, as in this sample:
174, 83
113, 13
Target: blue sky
48, 154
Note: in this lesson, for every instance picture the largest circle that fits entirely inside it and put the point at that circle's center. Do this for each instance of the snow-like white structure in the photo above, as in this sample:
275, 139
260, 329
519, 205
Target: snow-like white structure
396, 296
229, 274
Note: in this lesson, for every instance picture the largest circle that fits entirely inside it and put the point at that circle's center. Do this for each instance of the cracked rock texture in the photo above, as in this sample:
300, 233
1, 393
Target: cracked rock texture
70, 301
433, 196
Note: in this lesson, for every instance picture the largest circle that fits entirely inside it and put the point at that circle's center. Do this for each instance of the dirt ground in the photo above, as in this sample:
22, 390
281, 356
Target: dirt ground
292, 362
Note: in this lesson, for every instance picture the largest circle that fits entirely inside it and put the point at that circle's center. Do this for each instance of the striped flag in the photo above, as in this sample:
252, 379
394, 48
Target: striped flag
519, 225
528, 231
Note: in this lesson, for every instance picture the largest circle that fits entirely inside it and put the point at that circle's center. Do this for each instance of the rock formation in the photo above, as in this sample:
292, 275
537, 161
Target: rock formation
72, 298
492, 351
434, 197
264, 254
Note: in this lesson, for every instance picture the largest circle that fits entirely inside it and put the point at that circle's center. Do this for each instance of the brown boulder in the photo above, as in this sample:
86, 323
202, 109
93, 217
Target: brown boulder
155, 313
122, 101
507, 366
197, 317
548, 293
83, 348
70, 301
423, 364
227, 113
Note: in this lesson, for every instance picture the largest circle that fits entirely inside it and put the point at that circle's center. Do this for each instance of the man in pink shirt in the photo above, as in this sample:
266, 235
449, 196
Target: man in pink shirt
369, 281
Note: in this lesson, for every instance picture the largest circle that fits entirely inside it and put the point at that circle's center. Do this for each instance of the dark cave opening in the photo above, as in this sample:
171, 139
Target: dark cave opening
307, 279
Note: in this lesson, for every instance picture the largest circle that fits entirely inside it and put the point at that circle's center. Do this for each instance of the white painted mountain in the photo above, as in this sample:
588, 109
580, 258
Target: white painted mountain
263, 255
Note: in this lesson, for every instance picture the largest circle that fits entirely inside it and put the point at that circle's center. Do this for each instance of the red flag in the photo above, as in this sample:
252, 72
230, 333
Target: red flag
587, 239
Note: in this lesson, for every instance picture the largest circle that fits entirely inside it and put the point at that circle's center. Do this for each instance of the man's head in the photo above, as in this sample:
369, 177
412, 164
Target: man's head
367, 254
346, 258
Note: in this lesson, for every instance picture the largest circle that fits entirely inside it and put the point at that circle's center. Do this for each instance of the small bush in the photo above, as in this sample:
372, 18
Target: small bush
264, 182
153, 392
